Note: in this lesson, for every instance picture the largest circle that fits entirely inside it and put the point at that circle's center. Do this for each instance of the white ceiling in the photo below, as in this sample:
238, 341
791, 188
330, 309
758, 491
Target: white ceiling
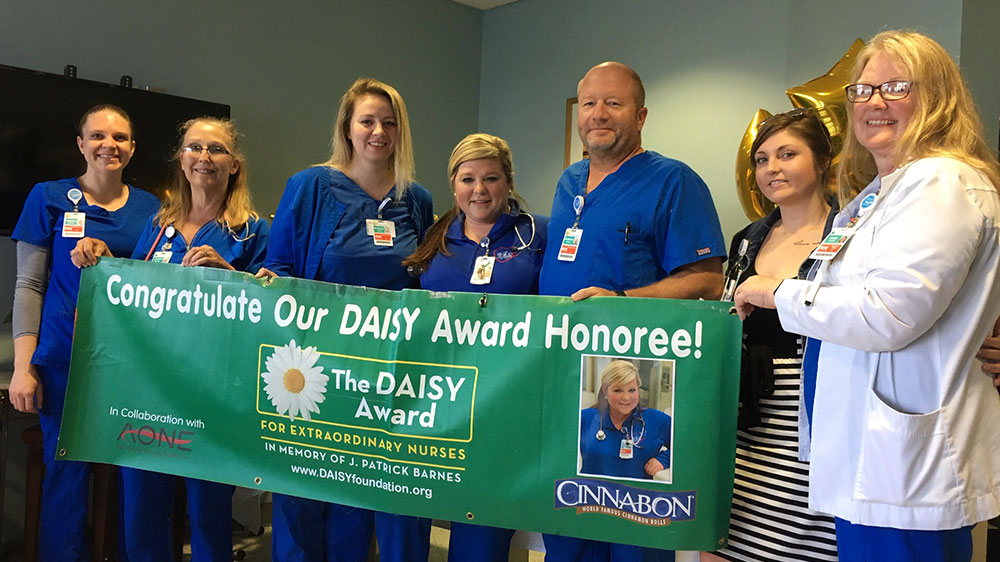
484, 4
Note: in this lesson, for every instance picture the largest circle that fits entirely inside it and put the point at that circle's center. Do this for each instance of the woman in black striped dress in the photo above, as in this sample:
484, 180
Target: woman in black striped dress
770, 518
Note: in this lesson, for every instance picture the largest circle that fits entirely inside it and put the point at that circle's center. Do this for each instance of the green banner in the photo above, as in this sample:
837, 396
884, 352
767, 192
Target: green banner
457, 406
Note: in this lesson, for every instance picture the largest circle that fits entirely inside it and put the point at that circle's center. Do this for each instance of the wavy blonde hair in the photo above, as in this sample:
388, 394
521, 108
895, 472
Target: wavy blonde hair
473, 147
944, 123
617, 372
237, 208
401, 163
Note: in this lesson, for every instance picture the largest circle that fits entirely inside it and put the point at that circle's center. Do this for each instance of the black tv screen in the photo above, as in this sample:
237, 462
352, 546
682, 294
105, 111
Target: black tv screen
39, 114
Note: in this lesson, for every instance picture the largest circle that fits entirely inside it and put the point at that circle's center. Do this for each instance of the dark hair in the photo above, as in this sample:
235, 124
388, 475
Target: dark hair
105, 107
804, 124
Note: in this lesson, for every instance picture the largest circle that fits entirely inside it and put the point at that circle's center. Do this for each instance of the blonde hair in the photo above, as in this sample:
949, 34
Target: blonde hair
617, 372
401, 162
944, 123
237, 208
473, 147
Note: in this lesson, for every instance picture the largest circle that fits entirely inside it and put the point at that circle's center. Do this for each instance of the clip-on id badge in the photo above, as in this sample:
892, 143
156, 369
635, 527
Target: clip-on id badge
571, 238
570, 244
74, 222
382, 231
625, 452
482, 272
161, 257
831, 245
838, 237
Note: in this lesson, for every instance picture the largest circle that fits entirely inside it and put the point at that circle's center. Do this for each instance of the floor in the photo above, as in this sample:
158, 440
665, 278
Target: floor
251, 548
257, 548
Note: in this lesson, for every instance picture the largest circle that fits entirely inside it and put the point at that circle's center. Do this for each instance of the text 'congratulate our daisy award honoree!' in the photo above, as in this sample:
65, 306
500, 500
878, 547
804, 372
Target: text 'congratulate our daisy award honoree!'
395, 324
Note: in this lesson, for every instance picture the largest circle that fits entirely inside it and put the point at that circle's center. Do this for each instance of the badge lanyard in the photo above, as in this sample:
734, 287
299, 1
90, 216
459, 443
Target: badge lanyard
571, 238
74, 222
482, 271
382, 231
163, 256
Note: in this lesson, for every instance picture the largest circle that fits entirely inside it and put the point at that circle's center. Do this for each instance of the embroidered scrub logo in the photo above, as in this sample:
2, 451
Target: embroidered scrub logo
506, 254
646, 507
295, 385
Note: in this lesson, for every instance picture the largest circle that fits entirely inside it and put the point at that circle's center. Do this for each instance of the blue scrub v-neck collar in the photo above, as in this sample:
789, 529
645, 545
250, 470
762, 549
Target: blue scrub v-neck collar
581, 184
360, 191
87, 207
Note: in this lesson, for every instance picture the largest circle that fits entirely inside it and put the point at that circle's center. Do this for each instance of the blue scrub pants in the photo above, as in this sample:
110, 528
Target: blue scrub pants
149, 504
572, 549
304, 530
861, 543
478, 543
62, 536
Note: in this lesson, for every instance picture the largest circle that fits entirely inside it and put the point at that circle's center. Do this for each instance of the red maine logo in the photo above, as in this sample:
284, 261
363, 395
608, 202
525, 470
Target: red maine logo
149, 436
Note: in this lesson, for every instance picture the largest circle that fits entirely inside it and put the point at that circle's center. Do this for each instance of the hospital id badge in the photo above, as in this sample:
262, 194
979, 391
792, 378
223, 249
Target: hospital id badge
482, 273
161, 257
570, 244
831, 245
73, 224
625, 453
381, 231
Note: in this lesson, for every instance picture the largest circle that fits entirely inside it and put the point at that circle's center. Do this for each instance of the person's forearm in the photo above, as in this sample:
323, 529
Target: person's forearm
702, 285
24, 349
700, 280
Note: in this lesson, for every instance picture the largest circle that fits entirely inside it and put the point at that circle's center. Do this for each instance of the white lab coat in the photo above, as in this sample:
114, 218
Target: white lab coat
906, 427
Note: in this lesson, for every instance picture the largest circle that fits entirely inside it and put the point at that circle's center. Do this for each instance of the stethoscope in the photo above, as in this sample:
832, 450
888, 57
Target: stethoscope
170, 231
736, 269
521, 238
247, 235
485, 242
630, 434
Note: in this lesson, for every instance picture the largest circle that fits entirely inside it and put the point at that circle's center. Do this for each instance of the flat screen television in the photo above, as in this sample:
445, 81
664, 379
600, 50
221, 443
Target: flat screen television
39, 113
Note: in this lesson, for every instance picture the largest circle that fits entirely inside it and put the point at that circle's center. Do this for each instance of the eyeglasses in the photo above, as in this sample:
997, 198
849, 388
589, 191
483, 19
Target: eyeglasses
213, 149
889, 91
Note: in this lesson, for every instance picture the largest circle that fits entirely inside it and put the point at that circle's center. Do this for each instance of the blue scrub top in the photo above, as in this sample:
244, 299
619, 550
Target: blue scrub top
243, 248
602, 456
40, 224
515, 271
319, 231
663, 205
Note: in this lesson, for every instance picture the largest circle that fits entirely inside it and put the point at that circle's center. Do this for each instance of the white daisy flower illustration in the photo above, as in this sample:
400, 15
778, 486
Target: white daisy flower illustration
294, 384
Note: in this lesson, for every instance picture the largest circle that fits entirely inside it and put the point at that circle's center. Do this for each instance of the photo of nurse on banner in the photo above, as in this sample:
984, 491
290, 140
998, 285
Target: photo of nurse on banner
626, 409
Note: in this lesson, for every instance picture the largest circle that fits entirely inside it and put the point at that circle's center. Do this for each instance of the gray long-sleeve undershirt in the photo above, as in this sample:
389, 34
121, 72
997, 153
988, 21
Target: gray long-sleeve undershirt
33, 265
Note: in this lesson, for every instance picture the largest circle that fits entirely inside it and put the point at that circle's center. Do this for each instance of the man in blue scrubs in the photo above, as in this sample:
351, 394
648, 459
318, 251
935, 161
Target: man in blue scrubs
626, 222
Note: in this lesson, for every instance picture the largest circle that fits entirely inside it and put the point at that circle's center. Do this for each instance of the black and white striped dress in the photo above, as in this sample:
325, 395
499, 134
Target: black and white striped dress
770, 519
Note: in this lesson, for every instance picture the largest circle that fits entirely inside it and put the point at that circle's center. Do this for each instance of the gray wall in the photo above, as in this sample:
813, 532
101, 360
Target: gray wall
980, 60
282, 66
707, 68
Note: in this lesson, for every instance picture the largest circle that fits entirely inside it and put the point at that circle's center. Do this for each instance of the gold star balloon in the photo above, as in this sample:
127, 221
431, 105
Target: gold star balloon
824, 94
